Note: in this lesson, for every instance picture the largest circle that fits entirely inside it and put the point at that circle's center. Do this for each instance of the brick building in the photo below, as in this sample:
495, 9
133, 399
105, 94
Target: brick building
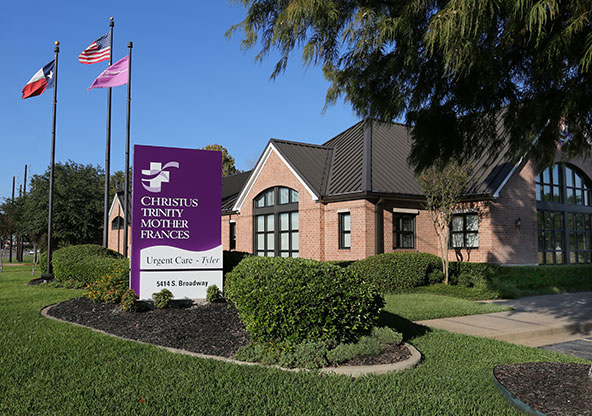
356, 196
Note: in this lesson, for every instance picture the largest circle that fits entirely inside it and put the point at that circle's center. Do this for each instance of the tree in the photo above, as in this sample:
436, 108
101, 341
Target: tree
443, 185
78, 205
453, 69
228, 167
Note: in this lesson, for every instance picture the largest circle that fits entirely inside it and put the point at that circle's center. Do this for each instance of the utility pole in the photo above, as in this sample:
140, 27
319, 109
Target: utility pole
11, 234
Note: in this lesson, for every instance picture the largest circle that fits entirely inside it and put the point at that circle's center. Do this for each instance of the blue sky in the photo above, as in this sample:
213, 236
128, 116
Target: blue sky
190, 85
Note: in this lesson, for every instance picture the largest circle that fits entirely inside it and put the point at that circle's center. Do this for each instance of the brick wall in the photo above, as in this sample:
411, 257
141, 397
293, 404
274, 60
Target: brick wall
116, 237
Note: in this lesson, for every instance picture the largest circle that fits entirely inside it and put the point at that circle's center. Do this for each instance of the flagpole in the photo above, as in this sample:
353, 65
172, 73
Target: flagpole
49, 270
108, 150
126, 213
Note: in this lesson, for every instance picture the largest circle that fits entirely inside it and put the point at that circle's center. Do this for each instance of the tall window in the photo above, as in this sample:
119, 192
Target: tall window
564, 215
117, 223
403, 231
276, 223
344, 230
464, 231
232, 235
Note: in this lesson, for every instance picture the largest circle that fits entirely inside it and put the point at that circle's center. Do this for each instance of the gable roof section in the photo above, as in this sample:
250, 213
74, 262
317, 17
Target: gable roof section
298, 155
119, 200
231, 187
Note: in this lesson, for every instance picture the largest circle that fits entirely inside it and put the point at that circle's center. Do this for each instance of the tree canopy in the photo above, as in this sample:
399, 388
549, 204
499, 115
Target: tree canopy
78, 205
455, 70
228, 167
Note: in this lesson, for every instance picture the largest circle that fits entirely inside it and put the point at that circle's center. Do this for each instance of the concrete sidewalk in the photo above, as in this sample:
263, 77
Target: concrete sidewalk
534, 320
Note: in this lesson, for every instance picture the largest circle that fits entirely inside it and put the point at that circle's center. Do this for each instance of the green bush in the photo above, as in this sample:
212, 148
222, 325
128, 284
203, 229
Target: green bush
112, 284
213, 294
366, 346
85, 263
290, 301
162, 299
572, 277
436, 276
391, 272
128, 300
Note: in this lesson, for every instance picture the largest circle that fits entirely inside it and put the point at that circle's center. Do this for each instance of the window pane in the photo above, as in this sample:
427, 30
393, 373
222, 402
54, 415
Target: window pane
284, 195
270, 222
406, 223
568, 176
261, 223
572, 258
260, 202
588, 218
472, 240
296, 241
547, 175
261, 253
269, 198
270, 254
579, 197
548, 221
556, 194
457, 240
295, 225
346, 240
558, 257
571, 222
457, 223
541, 258
541, 240
558, 242
284, 221
571, 197
293, 195
578, 180
270, 241
572, 241
472, 222
556, 174
284, 241
407, 240
285, 254
580, 221
295, 254
346, 224
260, 241
558, 221
581, 244
538, 192
548, 196
550, 258
540, 216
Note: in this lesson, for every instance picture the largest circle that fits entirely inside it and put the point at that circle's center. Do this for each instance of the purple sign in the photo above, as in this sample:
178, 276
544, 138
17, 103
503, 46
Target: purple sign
176, 235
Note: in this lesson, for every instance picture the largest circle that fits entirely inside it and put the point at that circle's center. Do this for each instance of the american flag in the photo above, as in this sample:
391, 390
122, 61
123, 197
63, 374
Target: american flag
99, 50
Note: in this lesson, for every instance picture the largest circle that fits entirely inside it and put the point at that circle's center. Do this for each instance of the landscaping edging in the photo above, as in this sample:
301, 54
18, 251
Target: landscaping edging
514, 401
351, 371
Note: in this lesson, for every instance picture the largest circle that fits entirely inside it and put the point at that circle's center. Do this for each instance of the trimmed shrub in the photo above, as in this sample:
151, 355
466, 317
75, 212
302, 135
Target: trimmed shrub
436, 276
111, 285
213, 294
85, 263
286, 301
128, 300
572, 277
391, 272
162, 299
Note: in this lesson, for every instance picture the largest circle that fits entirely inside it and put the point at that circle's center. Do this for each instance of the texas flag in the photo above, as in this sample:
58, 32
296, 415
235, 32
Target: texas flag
42, 80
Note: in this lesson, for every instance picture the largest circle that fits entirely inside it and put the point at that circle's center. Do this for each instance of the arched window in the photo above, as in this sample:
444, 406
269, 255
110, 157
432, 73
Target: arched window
117, 223
276, 223
564, 215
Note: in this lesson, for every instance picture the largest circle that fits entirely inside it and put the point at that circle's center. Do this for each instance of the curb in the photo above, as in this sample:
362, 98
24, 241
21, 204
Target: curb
351, 371
515, 401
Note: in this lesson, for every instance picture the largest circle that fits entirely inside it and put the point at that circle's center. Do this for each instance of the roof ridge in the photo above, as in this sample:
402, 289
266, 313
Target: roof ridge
273, 140
343, 132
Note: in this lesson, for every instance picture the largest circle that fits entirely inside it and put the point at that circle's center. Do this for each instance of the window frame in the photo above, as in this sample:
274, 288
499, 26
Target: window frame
464, 232
232, 235
342, 232
398, 233
275, 209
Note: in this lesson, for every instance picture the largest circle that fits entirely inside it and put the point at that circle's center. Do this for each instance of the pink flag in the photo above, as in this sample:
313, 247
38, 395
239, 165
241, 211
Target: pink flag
113, 76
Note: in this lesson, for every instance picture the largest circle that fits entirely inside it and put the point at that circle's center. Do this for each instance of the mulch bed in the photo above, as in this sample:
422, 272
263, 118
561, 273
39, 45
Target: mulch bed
550, 388
210, 328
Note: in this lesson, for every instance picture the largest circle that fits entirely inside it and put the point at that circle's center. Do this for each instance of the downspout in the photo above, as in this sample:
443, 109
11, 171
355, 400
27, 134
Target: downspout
379, 227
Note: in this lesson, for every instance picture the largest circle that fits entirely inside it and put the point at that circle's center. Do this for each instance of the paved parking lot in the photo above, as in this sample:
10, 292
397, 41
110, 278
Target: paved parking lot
580, 348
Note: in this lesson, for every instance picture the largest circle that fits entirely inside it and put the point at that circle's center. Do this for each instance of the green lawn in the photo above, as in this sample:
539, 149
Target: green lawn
53, 368
420, 306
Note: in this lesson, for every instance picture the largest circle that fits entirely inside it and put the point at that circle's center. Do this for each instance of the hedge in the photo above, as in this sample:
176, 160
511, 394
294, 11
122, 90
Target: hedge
390, 272
573, 277
286, 301
84, 263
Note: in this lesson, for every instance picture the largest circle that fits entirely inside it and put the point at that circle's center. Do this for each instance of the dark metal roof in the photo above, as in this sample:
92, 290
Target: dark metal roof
335, 170
310, 161
231, 187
